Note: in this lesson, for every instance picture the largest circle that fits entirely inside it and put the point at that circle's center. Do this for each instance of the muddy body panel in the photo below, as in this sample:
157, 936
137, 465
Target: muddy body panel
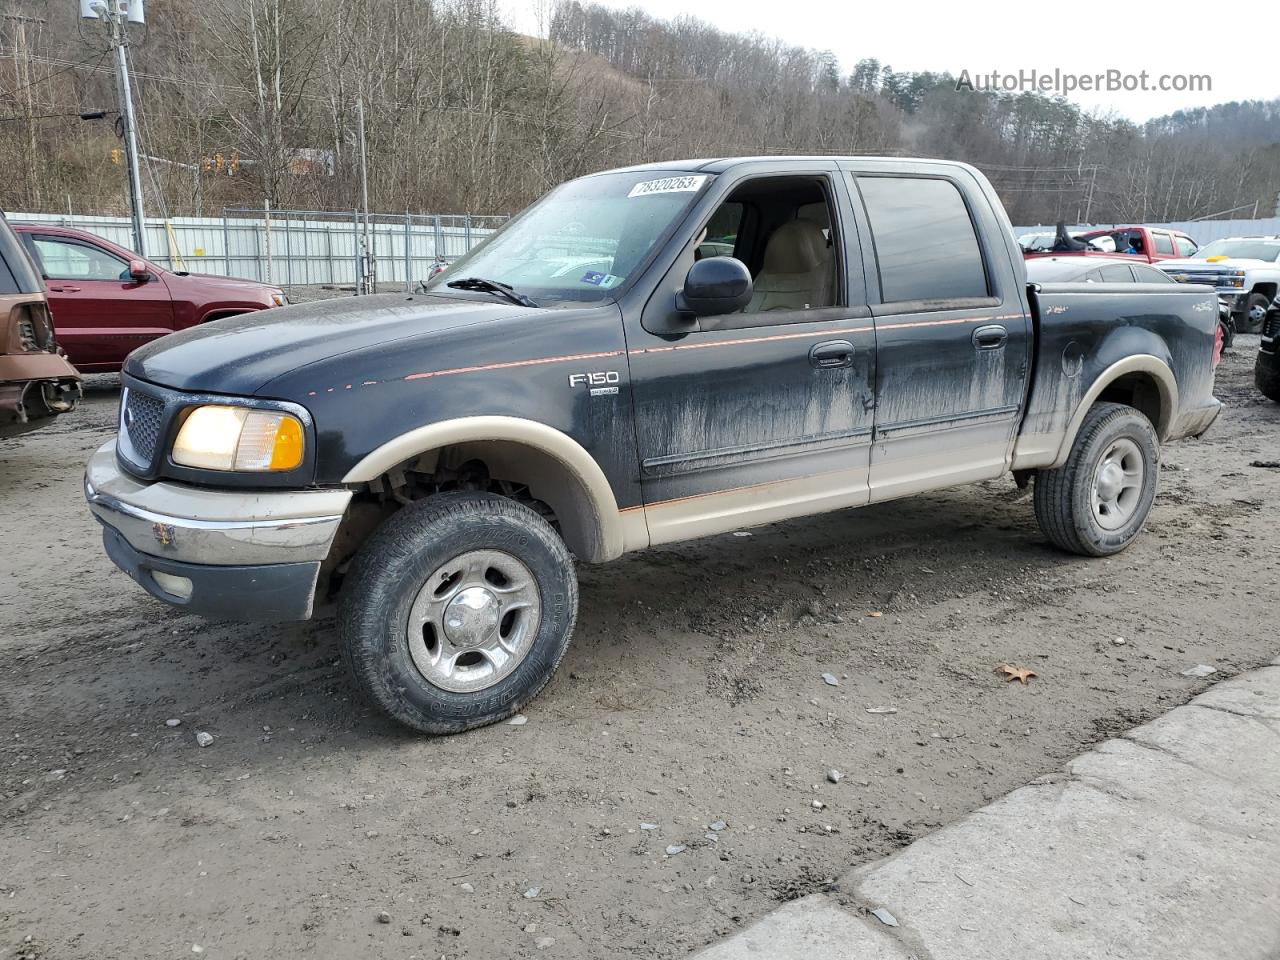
1155, 340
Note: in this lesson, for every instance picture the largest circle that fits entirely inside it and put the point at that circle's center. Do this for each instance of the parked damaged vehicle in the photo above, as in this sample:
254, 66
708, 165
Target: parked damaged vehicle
738, 342
37, 383
107, 301
1266, 369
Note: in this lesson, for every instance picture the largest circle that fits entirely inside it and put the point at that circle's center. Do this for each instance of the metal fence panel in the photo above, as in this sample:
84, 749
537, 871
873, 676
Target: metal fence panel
305, 246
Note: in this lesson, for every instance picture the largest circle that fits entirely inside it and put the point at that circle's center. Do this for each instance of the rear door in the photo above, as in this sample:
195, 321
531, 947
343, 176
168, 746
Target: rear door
100, 312
953, 337
1162, 247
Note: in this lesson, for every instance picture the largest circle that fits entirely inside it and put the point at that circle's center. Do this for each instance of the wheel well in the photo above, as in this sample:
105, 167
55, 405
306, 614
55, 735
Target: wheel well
508, 468
221, 315
1268, 290
1142, 392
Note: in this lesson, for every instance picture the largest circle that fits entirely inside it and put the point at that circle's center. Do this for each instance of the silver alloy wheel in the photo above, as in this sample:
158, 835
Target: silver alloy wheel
1257, 313
474, 620
1117, 484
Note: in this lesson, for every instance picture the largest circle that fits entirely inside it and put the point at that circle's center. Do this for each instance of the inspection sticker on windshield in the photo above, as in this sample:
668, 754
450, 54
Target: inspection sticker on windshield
605, 280
668, 185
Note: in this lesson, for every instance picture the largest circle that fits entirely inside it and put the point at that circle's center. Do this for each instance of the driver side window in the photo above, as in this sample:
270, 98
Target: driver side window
68, 260
783, 230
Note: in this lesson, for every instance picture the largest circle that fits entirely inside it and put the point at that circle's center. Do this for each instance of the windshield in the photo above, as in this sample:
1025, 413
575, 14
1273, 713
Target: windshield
584, 239
1241, 249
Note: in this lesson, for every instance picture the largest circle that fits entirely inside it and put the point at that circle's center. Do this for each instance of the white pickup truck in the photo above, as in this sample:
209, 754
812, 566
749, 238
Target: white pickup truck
1244, 270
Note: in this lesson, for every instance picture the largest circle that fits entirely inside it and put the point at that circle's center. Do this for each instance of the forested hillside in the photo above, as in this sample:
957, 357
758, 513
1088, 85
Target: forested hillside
463, 115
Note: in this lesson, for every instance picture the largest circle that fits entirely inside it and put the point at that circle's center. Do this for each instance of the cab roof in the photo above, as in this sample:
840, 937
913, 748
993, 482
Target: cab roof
721, 164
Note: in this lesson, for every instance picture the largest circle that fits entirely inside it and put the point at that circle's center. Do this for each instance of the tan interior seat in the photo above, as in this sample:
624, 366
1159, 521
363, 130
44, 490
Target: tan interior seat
797, 270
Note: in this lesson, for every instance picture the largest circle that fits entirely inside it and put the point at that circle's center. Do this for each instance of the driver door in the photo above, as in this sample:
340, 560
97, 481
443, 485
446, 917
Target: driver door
766, 413
100, 313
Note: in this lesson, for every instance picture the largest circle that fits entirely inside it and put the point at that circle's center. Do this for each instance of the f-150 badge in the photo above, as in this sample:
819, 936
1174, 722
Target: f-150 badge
603, 383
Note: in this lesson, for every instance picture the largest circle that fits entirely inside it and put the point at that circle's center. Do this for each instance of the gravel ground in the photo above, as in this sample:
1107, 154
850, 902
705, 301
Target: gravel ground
671, 782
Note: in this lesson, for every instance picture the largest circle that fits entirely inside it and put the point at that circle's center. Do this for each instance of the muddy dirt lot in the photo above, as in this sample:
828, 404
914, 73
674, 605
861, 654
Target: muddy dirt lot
691, 701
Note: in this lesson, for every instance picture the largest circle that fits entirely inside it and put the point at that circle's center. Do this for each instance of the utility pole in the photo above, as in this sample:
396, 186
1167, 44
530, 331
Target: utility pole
116, 14
366, 282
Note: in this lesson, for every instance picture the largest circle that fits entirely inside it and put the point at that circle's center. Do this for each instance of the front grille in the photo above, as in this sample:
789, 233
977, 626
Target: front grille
143, 417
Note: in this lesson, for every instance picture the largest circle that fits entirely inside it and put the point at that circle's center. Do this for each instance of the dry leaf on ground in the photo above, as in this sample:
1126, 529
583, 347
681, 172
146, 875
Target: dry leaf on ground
1021, 674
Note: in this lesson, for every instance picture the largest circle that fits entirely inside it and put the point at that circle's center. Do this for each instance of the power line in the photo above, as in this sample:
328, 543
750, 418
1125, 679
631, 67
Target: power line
49, 76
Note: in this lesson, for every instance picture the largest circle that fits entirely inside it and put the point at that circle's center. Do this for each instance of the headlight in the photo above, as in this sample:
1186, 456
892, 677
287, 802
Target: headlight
239, 438
278, 298
1233, 279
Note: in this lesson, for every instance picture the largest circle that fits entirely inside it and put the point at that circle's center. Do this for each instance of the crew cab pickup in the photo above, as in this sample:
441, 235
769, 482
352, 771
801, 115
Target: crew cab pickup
107, 301
644, 356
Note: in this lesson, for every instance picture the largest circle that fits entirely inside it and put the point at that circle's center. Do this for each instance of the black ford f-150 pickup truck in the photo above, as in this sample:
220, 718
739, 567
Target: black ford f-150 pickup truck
643, 356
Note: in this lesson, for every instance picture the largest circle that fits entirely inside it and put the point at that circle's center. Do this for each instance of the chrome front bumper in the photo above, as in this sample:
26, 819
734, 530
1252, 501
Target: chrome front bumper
247, 554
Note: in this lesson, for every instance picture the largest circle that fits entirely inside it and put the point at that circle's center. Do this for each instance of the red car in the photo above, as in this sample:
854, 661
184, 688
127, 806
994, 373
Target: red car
107, 301
1145, 244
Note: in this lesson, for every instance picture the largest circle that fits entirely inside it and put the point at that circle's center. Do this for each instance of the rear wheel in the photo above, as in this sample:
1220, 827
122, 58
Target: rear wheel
457, 611
1096, 503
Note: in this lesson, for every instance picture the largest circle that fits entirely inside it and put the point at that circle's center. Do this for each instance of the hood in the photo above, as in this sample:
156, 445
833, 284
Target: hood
208, 281
239, 355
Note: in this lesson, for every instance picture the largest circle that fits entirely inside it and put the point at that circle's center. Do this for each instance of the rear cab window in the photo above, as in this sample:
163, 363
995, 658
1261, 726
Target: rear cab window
1163, 243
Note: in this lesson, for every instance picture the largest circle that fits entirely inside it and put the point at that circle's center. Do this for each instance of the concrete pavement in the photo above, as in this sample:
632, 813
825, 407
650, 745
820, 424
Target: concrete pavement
1163, 843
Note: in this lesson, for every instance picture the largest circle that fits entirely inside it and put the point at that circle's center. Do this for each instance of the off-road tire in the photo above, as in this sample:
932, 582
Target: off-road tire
1246, 323
392, 567
1267, 378
1063, 495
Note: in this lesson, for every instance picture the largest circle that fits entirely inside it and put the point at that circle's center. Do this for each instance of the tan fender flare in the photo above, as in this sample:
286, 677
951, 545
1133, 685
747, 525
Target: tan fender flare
602, 531
1144, 363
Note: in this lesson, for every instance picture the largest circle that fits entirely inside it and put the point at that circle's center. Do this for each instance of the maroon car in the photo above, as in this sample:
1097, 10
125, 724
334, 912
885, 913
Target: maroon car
107, 301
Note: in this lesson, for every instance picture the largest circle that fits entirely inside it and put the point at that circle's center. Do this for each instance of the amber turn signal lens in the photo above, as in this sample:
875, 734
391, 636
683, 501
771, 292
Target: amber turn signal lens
286, 453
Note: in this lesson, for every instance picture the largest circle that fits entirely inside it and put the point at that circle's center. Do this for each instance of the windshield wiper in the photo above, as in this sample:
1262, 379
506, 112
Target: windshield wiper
492, 286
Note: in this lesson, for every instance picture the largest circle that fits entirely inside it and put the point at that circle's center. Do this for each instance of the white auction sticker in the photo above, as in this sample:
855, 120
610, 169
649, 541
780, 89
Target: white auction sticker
668, 185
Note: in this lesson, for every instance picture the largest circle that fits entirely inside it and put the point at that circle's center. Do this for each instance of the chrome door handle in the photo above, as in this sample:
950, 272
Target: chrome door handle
991, 337
831, 354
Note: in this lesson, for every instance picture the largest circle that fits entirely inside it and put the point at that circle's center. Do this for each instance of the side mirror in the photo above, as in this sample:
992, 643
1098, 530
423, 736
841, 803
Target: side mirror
714, 286
138, 270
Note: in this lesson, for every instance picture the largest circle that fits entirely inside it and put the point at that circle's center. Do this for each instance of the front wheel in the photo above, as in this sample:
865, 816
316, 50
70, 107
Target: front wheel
457, 611
1096, 503
1255, 312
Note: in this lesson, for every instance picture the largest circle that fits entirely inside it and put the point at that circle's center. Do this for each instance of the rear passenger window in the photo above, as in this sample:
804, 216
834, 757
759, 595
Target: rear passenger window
1117, 273
1164, 244
925, 242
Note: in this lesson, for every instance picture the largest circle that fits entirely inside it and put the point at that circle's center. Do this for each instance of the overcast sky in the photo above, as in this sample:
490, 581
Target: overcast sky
1008, 37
